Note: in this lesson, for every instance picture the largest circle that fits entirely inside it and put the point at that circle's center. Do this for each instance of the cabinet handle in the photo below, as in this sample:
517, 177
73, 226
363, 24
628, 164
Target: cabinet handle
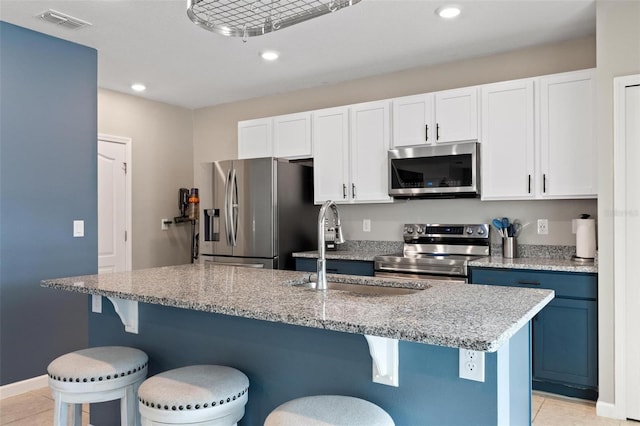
437, 131
353, 190
426, 132
544, 183
529, 190
332, 270
344, 191
528, 282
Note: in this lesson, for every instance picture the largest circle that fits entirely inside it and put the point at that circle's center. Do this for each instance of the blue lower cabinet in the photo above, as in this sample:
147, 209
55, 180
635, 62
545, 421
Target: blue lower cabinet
346, 267
565, 332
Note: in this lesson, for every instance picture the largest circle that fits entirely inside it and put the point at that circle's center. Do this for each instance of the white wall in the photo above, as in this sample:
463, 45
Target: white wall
215, 137
162, 157
618, 54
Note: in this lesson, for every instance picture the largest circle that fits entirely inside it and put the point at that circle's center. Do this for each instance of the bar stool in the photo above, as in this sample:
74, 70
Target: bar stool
325, 410
96, 375
194, 395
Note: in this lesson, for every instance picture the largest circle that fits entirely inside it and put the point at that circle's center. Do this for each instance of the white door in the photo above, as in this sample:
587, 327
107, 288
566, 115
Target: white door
331, 155
112, 207
457, 115
632, 216
413, 120
369, 146
255, 138
567, 135
508, 141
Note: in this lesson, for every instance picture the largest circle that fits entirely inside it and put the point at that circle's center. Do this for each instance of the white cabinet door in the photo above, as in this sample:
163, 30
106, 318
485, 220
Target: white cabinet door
292, 135
567, 135
331, 155
369, 147
255, 138
456, 115
508, 149
413, 120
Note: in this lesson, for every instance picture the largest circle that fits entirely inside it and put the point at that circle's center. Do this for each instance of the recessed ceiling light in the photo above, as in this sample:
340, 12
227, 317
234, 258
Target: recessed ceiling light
138, 87
269, 55
448, 12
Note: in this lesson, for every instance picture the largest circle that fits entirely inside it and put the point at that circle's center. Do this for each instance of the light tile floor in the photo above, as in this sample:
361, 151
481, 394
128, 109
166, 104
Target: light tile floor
32, 409
36, 409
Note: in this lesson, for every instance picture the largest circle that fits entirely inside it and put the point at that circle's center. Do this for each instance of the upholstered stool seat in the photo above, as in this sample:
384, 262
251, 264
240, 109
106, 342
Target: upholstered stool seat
97, 375
326, 410
194, 395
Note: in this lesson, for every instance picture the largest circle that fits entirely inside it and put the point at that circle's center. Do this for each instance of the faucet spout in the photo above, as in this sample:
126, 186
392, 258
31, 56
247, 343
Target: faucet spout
322, 261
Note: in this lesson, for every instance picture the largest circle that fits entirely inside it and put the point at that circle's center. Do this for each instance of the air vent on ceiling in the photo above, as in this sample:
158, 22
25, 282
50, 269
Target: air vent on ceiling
63, 20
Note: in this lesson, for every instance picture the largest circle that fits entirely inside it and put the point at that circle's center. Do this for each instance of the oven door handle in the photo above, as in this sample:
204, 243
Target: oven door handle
441, 270
414, 276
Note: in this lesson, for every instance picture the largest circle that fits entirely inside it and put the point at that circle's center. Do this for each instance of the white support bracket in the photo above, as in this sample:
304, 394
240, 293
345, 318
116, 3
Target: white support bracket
127, 310
384, 357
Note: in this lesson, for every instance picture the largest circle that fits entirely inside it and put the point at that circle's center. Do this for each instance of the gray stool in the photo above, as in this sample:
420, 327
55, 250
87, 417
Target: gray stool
194, 395
96, 375
325, 410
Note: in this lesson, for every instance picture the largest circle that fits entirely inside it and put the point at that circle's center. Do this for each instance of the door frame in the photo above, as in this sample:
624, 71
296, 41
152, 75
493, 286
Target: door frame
620, 235
128, 196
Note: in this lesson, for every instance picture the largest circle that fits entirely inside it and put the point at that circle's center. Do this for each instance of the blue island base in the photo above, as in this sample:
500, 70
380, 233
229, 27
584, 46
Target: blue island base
284, 362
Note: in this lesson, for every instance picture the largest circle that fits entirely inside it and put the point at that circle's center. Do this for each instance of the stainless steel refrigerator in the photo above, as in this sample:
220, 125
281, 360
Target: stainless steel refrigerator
262, 212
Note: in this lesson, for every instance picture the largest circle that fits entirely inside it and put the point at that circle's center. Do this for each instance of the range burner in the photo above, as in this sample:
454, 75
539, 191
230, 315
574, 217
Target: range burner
436, 251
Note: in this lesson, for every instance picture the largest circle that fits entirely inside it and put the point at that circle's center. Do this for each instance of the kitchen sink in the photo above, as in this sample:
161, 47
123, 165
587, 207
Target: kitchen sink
369, 290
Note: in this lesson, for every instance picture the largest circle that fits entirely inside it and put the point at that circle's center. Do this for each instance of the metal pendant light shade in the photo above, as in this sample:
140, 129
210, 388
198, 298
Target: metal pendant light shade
249, 18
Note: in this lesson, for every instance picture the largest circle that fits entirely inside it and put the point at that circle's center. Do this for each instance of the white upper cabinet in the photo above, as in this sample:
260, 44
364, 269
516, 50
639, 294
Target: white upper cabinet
255, 138
508, 151
456, 115
330, 154
369, 147
282, 136
292, 136
433, 118
413, 120
350, 147
568, 135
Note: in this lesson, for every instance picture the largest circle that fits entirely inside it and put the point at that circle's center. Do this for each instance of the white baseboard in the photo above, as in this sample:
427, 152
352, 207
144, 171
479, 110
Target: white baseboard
24, 386
607, 409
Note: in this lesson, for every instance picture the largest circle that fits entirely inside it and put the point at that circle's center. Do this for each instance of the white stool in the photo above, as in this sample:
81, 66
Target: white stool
194, 395
97, 375
325, 410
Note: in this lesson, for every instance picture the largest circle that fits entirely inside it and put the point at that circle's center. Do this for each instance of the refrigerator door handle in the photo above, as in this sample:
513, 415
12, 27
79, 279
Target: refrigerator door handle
233, 204
227, 207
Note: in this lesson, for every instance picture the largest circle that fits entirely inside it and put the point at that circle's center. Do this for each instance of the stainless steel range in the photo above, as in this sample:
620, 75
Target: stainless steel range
436, 251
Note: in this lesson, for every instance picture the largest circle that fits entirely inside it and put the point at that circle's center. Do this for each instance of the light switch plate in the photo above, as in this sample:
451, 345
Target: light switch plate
78, 228
366, 225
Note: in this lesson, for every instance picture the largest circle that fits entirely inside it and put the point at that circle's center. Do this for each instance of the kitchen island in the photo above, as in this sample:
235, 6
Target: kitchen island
292, 341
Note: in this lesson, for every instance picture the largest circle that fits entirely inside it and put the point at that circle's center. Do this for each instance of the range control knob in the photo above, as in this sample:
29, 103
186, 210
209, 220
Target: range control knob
409, 229
469, 230
481, 231
420, 229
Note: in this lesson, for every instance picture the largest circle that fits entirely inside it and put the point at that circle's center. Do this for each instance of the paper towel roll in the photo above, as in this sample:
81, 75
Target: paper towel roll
585, 230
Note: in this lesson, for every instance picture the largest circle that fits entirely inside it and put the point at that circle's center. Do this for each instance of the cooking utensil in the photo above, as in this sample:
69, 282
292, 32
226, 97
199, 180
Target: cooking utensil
516, 228
497, 223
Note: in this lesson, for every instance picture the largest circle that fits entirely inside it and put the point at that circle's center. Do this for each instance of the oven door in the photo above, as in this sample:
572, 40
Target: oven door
435, 171
418, 276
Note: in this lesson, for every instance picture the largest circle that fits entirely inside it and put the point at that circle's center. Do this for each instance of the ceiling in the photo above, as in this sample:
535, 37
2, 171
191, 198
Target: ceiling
154, 42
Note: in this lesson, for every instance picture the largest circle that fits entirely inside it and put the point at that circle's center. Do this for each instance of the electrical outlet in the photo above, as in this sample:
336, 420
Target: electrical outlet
471, 365
366, 225
543, 227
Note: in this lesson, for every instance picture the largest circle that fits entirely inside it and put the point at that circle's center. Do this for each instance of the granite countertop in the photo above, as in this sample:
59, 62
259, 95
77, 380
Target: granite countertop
534, 263
475, 317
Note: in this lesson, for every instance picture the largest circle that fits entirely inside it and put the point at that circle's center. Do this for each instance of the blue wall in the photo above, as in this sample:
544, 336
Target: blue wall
285, 362
48, 178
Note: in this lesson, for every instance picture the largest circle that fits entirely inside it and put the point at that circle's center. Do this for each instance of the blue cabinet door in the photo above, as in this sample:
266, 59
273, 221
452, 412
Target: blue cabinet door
564, 333
565, 342
346, 267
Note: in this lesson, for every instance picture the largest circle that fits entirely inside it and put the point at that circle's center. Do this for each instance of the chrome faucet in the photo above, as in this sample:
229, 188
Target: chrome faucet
322, 261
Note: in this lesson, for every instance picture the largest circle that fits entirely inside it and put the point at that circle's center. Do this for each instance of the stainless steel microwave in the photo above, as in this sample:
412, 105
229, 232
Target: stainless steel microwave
443, 171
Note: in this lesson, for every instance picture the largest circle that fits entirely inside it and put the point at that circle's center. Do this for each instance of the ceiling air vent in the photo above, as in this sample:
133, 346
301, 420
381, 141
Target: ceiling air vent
62, 19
